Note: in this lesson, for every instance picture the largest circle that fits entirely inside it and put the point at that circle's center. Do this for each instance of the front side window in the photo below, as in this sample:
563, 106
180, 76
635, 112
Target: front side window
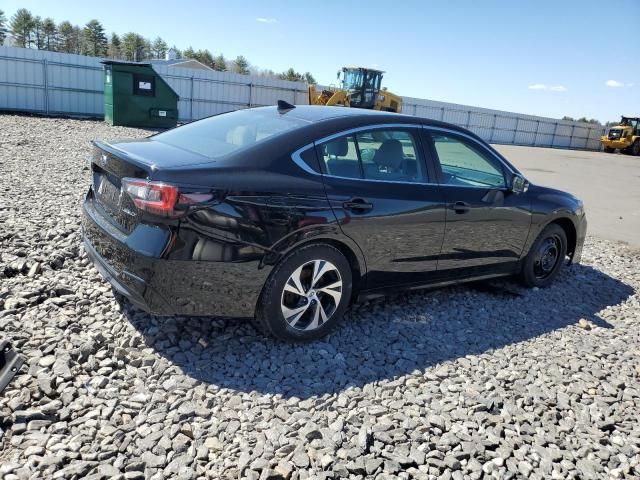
383, 155
352, 79
466, 165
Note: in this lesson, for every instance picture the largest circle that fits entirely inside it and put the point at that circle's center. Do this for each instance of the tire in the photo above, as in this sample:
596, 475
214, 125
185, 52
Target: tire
609, 150
635, 148
546, 257
313, 309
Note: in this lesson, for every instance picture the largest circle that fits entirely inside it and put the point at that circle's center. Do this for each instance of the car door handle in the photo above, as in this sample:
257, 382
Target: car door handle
461, 207
357, 205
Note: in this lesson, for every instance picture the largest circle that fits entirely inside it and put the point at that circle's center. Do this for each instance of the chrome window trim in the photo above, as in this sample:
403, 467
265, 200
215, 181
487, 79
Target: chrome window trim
297, 155
297, 159
368, 127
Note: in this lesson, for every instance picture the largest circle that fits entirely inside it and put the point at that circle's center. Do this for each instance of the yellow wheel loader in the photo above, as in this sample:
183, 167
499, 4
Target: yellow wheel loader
625, 136
359, 88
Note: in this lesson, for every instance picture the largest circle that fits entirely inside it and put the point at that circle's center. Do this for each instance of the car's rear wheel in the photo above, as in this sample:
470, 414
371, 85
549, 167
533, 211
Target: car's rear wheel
546, 257
306, 294
609, 150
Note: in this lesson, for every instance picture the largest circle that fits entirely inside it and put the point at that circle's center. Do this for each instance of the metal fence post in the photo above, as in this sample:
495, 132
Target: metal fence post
191, 101
46, 85
515, 132
573, 129
250, 94
553, 138
441, 113
415, 109
468, 119
535, 136
493, 127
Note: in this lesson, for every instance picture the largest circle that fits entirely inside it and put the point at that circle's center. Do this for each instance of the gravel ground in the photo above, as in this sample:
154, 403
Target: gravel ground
486, 381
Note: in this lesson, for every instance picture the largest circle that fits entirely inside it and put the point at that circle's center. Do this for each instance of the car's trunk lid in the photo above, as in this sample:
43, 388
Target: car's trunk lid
113, 161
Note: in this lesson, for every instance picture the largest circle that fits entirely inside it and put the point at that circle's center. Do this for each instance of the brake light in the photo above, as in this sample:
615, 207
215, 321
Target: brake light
161, 198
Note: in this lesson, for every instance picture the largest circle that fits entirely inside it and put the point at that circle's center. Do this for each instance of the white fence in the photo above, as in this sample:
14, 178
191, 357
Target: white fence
65, 84
496, 126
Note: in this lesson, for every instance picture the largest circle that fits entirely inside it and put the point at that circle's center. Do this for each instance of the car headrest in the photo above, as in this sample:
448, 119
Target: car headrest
241, 136
338, 147
389, 154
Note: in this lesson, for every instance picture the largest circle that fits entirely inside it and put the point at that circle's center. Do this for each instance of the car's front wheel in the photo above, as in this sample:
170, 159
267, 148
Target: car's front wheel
546, 257
306, 294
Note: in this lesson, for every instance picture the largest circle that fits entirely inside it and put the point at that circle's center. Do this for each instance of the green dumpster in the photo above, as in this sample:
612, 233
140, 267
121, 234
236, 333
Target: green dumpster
136, 96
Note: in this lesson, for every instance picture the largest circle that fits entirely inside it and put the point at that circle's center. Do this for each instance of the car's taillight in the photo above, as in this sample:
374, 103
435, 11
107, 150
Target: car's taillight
161, 198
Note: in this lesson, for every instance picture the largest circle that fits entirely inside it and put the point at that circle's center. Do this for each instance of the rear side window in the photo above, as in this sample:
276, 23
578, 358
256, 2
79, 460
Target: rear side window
340, 157
224, 134
390, 155
383, 155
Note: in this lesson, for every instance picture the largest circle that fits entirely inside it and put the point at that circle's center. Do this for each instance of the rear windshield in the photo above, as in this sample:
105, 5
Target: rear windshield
223, 134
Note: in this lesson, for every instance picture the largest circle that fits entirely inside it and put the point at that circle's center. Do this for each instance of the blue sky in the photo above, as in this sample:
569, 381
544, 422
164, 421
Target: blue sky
551, 58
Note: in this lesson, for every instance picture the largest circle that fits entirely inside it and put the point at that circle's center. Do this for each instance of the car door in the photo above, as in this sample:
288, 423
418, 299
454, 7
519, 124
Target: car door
486, 223
377, 183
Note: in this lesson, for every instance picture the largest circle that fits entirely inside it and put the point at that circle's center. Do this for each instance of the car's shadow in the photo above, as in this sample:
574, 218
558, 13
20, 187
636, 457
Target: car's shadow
379, 340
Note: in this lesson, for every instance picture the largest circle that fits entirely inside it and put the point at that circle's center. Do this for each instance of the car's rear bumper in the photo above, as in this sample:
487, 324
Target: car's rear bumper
129, 285
163, 286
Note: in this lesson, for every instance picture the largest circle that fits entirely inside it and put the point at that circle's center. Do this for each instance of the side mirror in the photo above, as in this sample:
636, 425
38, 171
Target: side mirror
519, 184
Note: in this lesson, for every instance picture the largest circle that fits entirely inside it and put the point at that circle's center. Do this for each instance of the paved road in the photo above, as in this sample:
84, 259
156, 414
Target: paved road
609, 184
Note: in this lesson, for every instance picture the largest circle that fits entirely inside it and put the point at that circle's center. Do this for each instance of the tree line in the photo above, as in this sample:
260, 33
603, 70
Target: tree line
32, 31
582, 119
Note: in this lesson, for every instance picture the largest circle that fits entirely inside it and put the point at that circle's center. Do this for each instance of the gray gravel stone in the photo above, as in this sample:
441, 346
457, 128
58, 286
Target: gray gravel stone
457, 383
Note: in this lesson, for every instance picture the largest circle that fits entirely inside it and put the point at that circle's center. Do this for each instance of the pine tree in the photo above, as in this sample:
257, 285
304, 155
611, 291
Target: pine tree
3, 27
189, 53
291, 75
309, 78
38, 33
77, 40
133, 47
68, 38
220, 63
159, 48
147, 53
22, 26
50, 33
177, 51
94, 40
114, 50
205, 57
241, 65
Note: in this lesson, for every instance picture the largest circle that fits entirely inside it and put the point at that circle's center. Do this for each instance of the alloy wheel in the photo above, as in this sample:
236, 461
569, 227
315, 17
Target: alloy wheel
311, 295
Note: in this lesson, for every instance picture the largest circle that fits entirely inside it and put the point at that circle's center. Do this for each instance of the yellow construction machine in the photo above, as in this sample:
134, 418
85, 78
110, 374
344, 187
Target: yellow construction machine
359, 88
625, 136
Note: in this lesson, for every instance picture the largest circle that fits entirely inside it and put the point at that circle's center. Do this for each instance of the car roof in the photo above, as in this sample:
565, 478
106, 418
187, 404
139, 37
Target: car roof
316, 113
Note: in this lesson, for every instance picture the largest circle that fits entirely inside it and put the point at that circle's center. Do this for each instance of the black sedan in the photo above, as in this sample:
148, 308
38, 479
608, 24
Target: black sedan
288, 214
